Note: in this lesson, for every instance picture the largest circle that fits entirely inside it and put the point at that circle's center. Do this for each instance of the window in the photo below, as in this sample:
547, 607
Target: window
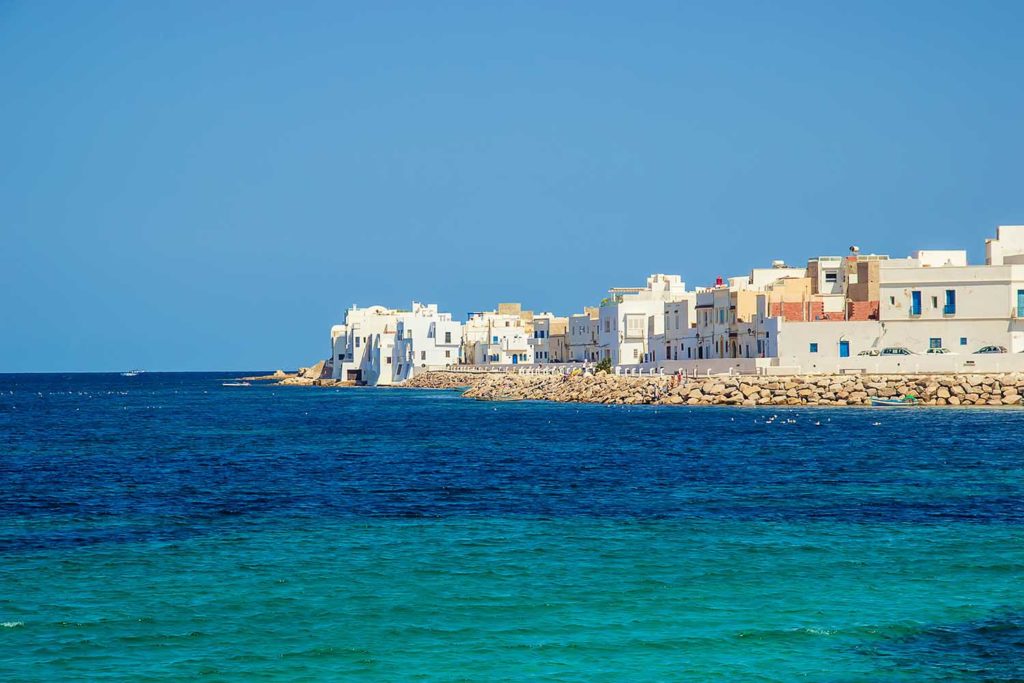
636, 353
831, 277
892, 301
423, 355
448, 354
915, 302
1020, 303
388, 360
935, 302
447, 337
357, 342
950, 307
721, 315
963, 341
935, 343
494, 339
341, 356
814, 347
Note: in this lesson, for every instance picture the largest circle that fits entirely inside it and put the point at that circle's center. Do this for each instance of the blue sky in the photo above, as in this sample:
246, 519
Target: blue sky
197, 185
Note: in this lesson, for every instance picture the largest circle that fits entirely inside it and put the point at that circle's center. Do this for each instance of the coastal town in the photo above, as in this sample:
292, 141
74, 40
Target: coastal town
859, 313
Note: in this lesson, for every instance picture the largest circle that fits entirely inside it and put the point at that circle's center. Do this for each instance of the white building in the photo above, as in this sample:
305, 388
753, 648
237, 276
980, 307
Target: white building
367, 350
631, 317
582, 335
937, 300
493, 338
356, 345
425, 340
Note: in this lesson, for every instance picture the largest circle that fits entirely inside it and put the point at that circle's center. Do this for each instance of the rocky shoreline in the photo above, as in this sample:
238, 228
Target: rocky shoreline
823, 390
445, 380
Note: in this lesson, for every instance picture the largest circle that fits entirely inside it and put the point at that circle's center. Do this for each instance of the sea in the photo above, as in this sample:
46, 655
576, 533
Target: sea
166, 527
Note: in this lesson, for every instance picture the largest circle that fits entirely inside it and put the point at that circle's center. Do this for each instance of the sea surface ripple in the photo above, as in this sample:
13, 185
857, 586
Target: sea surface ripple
168, 527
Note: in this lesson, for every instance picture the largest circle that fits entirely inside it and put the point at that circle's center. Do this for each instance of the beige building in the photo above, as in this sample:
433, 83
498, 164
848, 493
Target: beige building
550, 338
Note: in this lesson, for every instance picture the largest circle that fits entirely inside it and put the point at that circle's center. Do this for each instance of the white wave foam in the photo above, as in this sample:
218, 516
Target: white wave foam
12, 624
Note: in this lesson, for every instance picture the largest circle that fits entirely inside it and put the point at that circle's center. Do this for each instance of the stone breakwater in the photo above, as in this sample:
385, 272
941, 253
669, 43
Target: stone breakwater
445, 380
826, 390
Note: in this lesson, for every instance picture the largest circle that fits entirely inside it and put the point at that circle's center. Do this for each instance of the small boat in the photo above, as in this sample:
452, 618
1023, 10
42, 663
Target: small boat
132, 373
907, 400
236, 384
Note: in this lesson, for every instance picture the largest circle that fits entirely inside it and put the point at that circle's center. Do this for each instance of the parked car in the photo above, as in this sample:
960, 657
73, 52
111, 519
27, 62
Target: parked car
991, 349
868, 352
938, 350
896, 351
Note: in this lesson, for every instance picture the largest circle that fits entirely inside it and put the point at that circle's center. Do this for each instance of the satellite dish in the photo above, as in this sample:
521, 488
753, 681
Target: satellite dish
854, 248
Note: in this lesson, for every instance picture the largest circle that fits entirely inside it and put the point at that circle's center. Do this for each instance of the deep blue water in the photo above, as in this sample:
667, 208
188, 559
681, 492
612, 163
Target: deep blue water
166, 527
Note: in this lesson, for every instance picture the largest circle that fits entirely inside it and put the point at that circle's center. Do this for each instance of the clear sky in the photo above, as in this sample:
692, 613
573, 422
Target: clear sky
209, 185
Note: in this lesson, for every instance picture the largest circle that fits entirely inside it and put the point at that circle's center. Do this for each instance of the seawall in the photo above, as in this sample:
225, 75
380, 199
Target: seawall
829, 390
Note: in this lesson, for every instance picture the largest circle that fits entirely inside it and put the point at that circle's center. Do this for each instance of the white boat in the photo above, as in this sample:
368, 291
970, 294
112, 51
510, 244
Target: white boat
892, 402
132, 373
236, 384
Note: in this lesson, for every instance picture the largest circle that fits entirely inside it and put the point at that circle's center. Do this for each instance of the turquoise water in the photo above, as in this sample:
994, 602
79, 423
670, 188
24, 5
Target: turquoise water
173, 529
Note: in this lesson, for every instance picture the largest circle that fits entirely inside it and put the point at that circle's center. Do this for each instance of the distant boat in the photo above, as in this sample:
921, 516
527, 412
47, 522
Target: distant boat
236, 384
132, 373
907, 400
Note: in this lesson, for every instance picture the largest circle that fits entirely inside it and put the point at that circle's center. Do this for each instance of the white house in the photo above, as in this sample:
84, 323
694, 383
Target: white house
582, 335
425, 340
493, 338
625, 325
937, 300
356, 345
367, 350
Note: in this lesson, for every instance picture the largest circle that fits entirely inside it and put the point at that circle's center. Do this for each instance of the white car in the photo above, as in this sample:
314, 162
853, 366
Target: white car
938, 350
991, 349
896, 351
